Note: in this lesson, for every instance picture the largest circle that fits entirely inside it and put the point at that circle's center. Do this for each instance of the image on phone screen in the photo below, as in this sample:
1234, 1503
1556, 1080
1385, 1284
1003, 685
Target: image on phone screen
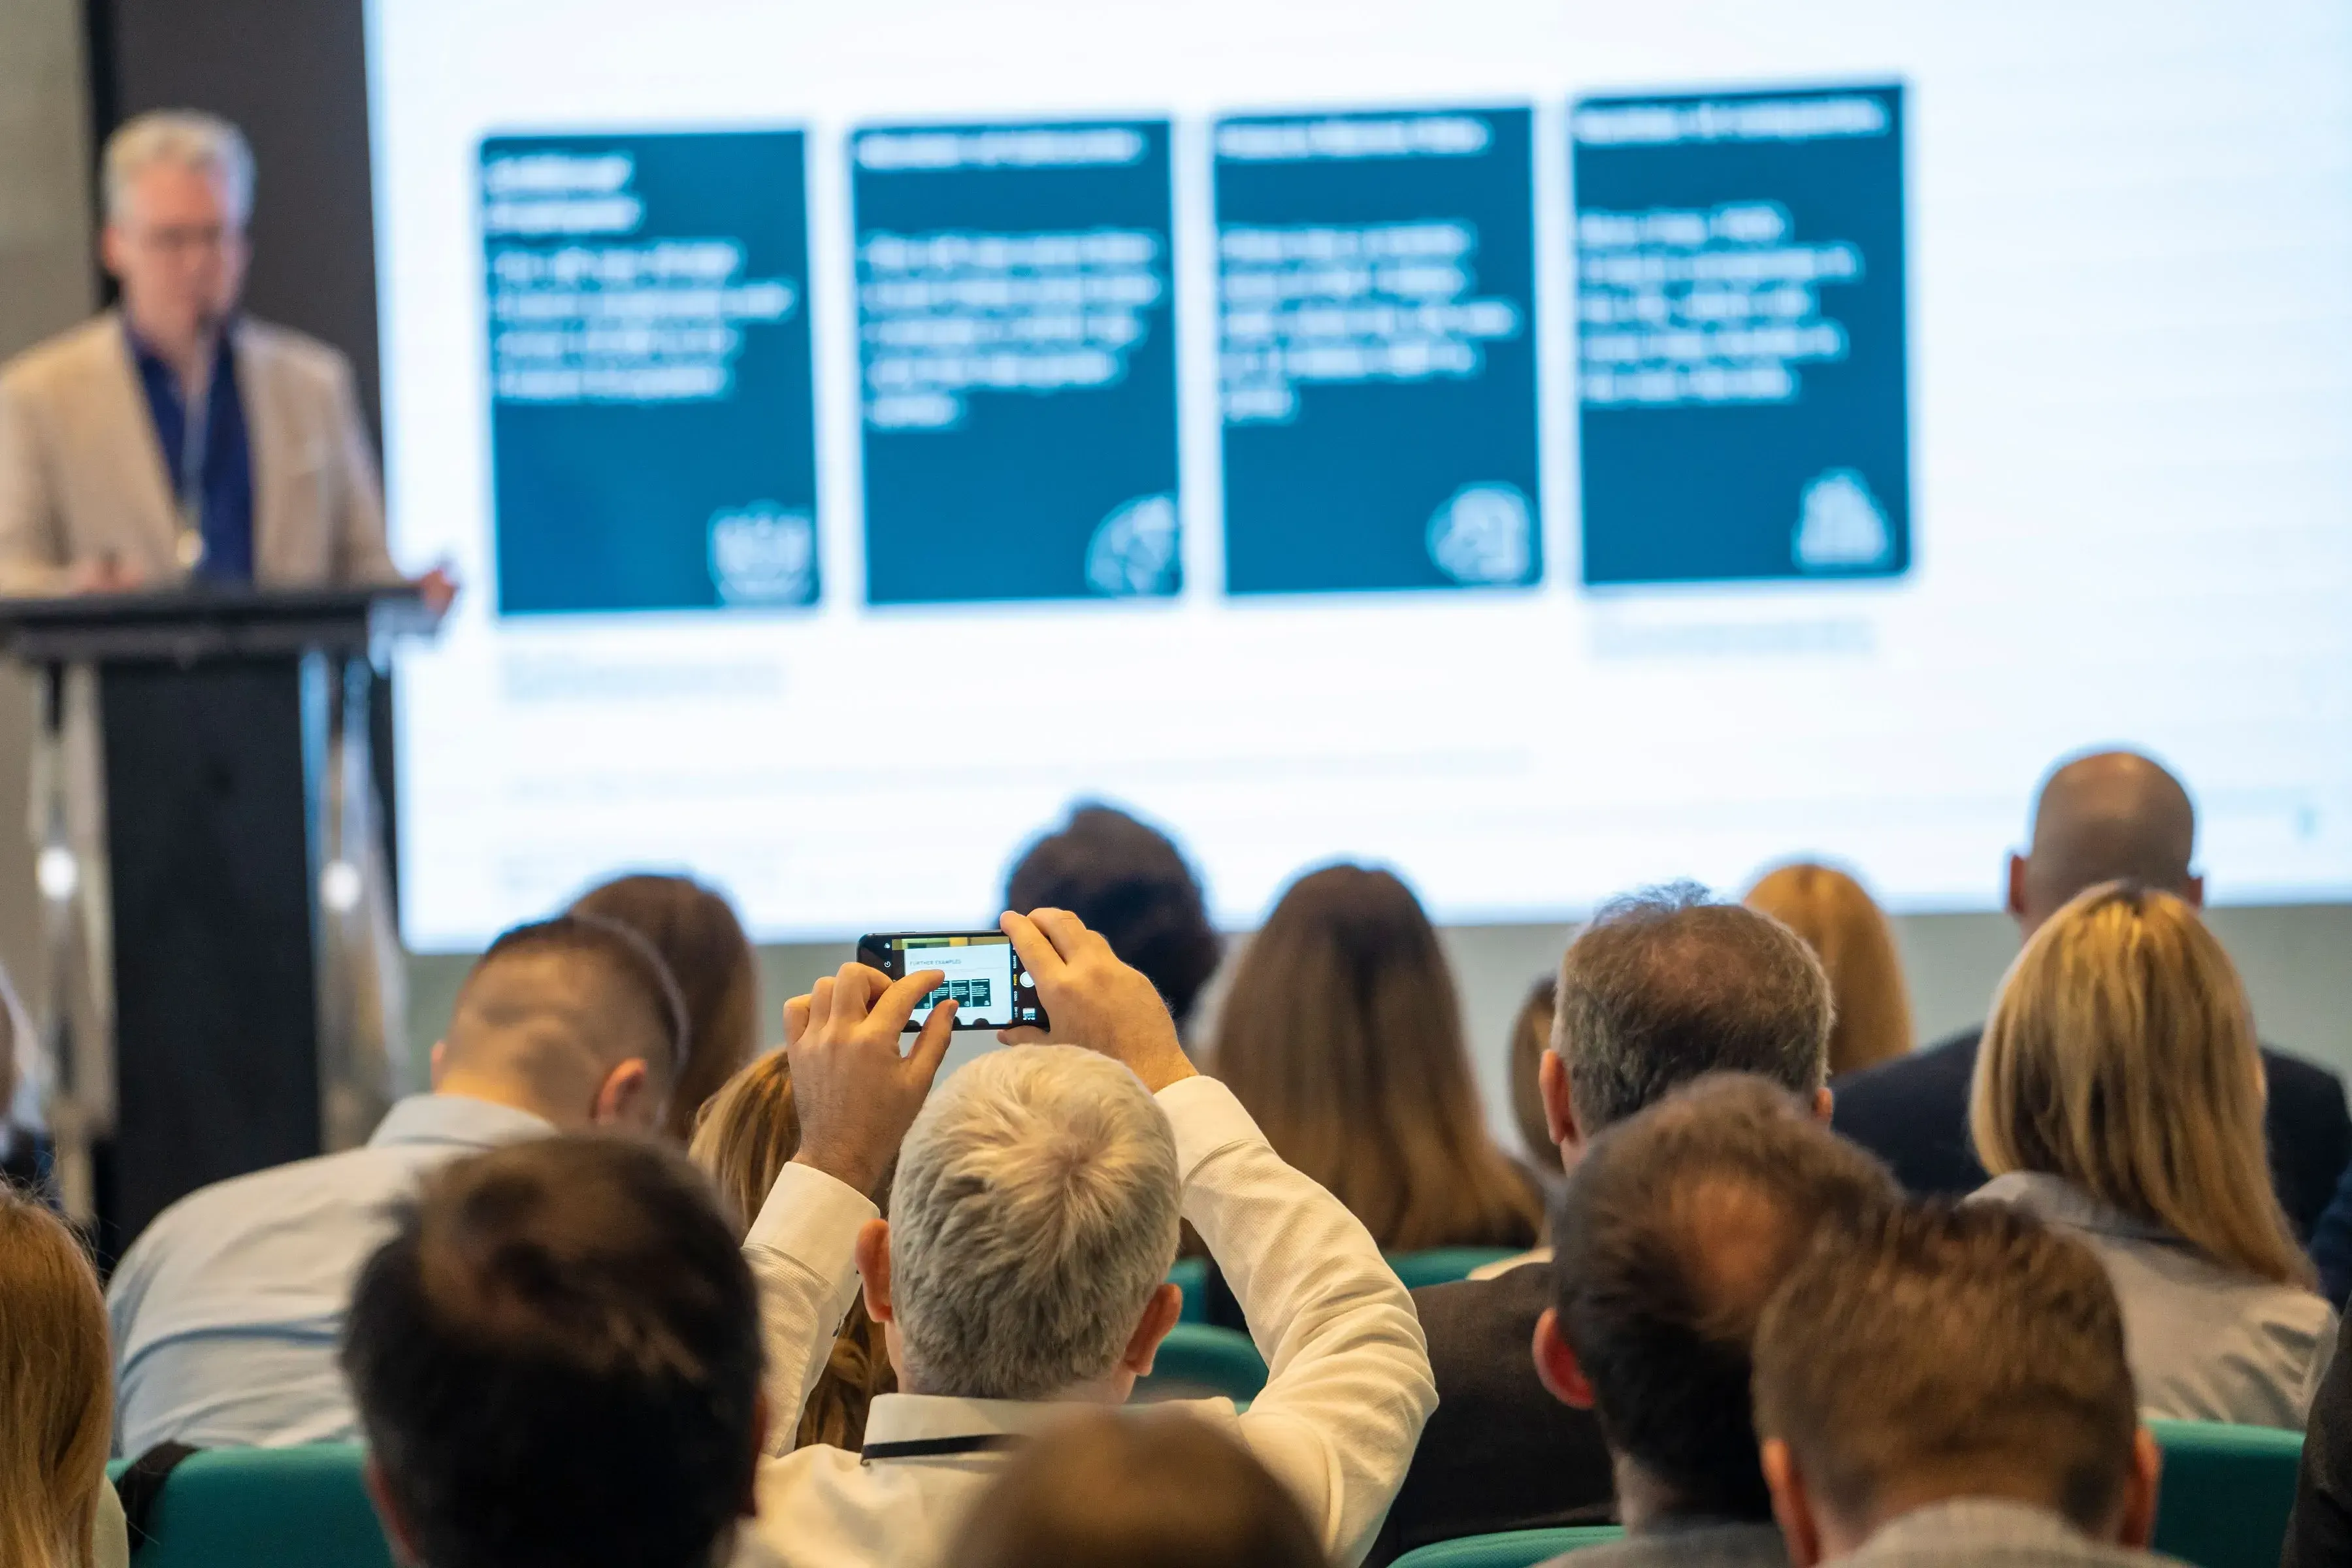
983, 975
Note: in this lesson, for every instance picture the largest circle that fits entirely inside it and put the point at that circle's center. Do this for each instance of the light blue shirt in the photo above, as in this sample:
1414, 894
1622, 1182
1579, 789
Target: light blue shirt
227, 1309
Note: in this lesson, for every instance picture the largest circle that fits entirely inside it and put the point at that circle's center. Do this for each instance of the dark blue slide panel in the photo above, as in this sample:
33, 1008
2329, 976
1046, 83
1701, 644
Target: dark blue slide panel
652, 422
1742, 392
1017, 361
1377, 358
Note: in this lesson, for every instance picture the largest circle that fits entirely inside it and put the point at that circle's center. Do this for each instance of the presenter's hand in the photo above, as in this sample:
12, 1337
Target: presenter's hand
1094, 1000
439, 589
109, 574
855, 1094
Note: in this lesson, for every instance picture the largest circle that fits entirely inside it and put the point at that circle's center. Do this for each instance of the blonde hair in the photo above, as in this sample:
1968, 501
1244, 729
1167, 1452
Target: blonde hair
55, 1390
748, 1131
1850, 934
2121, 1057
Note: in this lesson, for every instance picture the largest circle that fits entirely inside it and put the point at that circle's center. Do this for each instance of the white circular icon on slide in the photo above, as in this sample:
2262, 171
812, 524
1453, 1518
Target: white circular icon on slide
1133, 550
1484, 533
763, 554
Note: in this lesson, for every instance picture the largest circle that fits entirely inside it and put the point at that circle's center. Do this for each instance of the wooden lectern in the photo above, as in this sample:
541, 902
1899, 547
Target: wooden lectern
228, 865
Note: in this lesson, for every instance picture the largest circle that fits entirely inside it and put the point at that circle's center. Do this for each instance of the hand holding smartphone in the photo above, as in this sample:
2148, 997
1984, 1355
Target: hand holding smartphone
984, 976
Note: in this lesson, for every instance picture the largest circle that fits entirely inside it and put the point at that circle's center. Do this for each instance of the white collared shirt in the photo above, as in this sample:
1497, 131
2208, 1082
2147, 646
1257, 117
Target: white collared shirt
226, 1311
1348, 1391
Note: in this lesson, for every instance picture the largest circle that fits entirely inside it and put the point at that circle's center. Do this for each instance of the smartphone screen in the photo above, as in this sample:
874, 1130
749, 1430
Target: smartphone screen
983, 975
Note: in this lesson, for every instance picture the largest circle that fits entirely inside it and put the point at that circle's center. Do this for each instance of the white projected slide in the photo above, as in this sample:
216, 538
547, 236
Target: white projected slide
1546, 445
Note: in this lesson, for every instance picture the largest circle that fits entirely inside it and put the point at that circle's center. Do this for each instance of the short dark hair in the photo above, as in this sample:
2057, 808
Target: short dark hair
1665, 986
2039, 1405
1129, 882
619, 951
556, 1359
1164, 1490
1669, 1237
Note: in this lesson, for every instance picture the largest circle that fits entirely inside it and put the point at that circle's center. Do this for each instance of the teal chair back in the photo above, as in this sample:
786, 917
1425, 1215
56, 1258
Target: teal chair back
1443, 1265
290, 1508
1511, 1548
1197, 1362
2226, 1492
2224, 1503
1191, 1275
1437, 1266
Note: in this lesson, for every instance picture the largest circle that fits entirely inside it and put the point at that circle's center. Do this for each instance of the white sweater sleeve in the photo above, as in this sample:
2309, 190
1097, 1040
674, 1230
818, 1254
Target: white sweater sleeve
803, 1253
1350, 1385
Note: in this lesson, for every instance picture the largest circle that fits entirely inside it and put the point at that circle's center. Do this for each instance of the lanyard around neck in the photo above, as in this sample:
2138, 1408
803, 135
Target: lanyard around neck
941, 1448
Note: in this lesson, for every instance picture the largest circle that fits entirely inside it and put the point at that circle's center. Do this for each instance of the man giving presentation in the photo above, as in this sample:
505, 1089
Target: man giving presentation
174, 441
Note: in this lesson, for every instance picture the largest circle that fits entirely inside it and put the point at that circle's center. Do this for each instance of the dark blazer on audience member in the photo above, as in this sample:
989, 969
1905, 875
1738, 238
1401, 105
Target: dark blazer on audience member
2319, 1530
1913, 1113
1500, 1452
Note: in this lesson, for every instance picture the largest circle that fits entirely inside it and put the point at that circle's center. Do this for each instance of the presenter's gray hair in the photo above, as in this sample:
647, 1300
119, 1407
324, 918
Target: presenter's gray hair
189, 138
1034, 1214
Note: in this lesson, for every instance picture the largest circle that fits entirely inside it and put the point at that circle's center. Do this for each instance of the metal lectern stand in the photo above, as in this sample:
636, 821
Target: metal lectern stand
232, 785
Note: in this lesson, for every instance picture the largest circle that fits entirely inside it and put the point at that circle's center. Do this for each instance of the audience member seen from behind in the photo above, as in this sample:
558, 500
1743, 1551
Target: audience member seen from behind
1660, 989
1130, 883
57, 1507
1342, 1035
1849, 933
696, 932
2120, 1094
2319, 1531
556, 1358
1530, 1038
1672, 1234
225, 1309
750, 1130
1022, 1274
1882, 1446
1157, 1490
2108, 816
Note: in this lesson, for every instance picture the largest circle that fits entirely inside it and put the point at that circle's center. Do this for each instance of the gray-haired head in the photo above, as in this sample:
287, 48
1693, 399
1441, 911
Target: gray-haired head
1666, 985
188, 138
1034, 1214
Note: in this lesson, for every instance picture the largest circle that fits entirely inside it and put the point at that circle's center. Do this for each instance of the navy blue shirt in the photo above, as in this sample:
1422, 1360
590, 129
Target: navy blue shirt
224, 468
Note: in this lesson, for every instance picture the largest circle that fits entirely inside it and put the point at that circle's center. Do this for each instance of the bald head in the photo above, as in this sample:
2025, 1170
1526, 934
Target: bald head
573, 1019
2103, 817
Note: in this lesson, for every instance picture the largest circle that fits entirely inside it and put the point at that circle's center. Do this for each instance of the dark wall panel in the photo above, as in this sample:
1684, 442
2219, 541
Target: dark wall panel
293, 74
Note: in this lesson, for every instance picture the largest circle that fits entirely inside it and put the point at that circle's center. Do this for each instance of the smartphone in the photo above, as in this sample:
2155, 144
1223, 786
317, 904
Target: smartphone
984, 976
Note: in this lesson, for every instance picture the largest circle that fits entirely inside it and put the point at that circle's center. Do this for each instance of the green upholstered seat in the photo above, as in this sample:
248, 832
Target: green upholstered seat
290, 1508
1509, 1548
1196, 1360
2226, 1492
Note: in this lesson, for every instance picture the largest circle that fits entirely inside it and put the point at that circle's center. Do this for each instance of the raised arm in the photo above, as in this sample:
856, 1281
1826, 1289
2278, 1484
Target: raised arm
857, 1096
1350, 1387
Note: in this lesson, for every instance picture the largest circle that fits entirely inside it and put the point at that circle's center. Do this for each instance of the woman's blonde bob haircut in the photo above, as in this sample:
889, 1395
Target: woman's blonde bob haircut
57, 1391
1850, 934
2121, 1057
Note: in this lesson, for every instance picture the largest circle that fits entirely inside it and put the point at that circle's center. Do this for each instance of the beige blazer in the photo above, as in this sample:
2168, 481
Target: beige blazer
81, 473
